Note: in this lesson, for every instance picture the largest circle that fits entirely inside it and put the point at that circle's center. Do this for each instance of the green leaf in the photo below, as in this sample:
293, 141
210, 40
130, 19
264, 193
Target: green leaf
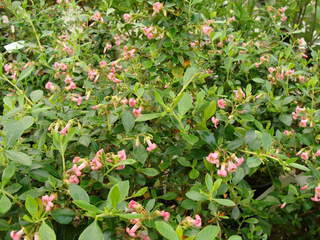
46, 232
150, 116
36, 95
25, 73
130, 215
7, 174
150, 172
169, 196
208, 233
87, 206
209, 111
253, 162
128, 121
216, 185
189, 75
196, 196
13, 129
286, 119
78, 193
166, 230
224, 202
32, 206
185, 104
63, 215
191, 139
141, 192
140, 153
194, 173
299, 166
5, 204
235, 237
93, 231
266, 140
124, 189
209, 182
19, 157
114, 196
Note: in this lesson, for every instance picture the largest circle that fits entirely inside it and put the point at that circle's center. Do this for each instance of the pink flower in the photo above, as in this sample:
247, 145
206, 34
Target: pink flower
132, 231
102, 64
124, 101
283, 205
95, 107
301, 79
49, 86
151, 146
132, 102
148, 32
316, 197
165, 215
215, 121
232, 167
108, 46
304, 155
95, 164
137, 112
299, 109
286, 132
157, 6
133, 205
68, 80
284, 18
76, 159
289, 72
75, 169
317, 153
92, 73
303, 122
150, 35
239, 161
294, 115
222, 171
304, 187
47, 201
126, 17
16, 235
282, 9
221, 104
239, 94
144, 236
197, 221
122, 155
65, 129
232, 19
73, 179
7, 68
271, 69
213, 158
36, 236
5, 19
71, 86
206, 29
97, 17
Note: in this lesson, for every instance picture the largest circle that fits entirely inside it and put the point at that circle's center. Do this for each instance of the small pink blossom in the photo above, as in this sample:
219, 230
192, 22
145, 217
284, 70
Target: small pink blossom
71, 86
132, 102
95, 107
304, 187
301, 79
294, 115
124, 101
122, 155
206, 29
126, 17
232, 167
221, 104
92, 73
215, 121
133, 205
68, 80
197, 221
222, 171
97, 17
303, 122
286, 132
7, 68
213, 158
239, 161
16, 235
165, 215
47, 201
151, 146
96, 164
304, 155
5, 19
271, 69
283, 205
157, 6
239, 94
65, 129
132, 232
73, 179
299, 109
137, 112
49, 86
284, 18
316, 197
317, 153
76, 159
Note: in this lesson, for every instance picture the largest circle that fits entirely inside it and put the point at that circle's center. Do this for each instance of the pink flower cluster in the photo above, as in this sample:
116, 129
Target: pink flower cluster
316, 197
70, 83
76, 171
151, 146
132, 103
222, 103
189, 221
112, 72
149, 32
300, 112
225, 168
93, 75
65, 130
16, 235
206, 29
127, 54
157, 6
126, 17
47, 201
239, 94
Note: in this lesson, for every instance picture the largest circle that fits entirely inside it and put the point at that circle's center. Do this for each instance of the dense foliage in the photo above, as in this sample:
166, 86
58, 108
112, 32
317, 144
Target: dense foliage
133, 119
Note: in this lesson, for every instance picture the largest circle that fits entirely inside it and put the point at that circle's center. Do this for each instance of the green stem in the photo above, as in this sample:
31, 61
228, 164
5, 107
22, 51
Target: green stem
17, 88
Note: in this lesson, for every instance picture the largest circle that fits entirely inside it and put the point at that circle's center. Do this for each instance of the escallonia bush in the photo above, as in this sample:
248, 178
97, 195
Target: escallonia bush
194, 120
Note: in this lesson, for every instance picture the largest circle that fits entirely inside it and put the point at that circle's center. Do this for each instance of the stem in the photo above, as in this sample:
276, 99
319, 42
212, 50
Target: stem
63, 166
17, 88
314, 20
